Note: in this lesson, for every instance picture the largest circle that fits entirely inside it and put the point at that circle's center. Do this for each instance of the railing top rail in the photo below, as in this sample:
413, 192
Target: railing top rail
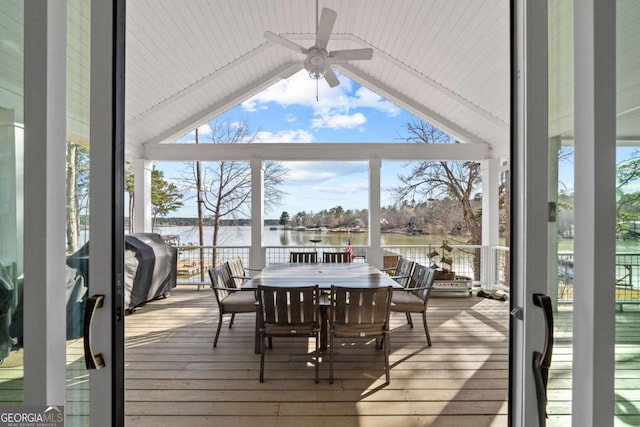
432, 245
211, 247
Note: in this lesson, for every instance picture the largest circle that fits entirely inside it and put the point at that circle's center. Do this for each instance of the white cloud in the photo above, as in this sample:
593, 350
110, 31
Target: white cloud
366, 98
205, 129
295, 135
290, 118
339, 121
324, 174
344, 188
333, 105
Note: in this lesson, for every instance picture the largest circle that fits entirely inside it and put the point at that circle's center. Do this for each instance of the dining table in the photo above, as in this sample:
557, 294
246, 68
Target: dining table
353, 275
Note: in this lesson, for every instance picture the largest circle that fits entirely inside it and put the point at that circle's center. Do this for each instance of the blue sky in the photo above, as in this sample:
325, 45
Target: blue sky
288, 112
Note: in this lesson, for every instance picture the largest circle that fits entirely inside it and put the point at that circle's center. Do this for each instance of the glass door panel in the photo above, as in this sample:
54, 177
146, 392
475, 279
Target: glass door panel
11, 208
77, 206
627, 281
560, 232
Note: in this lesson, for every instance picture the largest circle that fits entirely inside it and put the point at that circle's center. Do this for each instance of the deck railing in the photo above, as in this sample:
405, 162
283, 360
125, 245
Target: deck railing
486, 266
626, 281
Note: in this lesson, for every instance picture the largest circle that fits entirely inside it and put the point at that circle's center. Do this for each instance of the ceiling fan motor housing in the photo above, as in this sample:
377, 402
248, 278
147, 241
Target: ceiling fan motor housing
316, 63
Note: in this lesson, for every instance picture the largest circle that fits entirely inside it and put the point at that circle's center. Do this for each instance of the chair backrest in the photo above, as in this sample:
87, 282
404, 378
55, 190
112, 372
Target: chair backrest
296, 305
336, 257
363, 309
422, 278
303, 257
221, 278
236, 270
403, 270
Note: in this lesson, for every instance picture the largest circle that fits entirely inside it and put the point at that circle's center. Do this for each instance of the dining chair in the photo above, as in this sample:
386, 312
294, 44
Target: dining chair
239, 272
415, 296
231, 298
402, 271
289, 312
360, 313
336, 257
303, 257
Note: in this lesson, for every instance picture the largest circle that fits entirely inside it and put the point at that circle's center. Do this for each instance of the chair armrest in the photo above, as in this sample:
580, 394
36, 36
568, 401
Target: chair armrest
401, 277
252, 269
241, 277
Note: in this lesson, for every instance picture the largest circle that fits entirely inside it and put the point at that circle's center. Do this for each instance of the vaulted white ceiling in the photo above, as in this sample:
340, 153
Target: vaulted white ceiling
447, 62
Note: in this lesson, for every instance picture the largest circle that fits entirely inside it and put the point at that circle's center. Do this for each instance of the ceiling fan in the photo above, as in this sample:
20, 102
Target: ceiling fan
319, 59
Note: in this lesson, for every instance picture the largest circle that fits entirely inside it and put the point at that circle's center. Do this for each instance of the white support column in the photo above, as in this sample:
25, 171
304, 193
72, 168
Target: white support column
142, 195
374, 255
490, 218
595, 216
44, 210
256, 254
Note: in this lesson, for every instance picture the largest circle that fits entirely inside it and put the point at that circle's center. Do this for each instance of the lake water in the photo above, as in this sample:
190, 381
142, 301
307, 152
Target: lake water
241, 236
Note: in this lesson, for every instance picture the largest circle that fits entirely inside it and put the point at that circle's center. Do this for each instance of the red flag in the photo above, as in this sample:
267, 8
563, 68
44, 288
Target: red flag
348, 248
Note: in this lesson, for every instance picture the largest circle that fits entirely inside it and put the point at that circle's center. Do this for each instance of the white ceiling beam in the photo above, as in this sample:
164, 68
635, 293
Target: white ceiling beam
218, 108
409, 104
317, 152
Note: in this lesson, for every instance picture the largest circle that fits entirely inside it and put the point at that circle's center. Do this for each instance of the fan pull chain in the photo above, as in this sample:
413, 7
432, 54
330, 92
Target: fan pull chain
317, 100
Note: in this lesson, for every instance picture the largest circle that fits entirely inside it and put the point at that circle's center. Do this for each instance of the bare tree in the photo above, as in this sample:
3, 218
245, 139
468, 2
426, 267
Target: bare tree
76, 192
226, 185
441, 180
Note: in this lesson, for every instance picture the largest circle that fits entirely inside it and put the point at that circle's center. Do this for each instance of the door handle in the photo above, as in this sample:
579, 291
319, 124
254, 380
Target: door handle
92, 360
542, 361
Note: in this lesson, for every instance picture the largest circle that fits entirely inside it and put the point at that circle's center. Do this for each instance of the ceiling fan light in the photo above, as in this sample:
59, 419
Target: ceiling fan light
316, 74
315, 66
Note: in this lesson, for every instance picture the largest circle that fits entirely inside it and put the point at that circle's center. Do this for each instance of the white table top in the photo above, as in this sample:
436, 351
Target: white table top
354, 275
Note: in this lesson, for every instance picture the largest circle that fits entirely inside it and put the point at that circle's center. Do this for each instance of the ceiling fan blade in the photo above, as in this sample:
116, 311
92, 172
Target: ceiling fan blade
325, 26
285, 42
352, 54
331, 78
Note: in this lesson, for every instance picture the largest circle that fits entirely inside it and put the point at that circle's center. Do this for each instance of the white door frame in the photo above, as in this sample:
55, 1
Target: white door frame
529, 202
595, 151
106, 192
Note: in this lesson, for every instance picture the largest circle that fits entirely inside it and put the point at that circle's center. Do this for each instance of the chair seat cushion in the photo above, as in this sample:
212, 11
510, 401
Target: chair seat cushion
406, 301
362, 330
240, 301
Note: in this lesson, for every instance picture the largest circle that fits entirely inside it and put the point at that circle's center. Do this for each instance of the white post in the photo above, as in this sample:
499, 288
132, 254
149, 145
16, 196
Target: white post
44, 208
142, 195
374, 255
595, 213
256, 254
490, 219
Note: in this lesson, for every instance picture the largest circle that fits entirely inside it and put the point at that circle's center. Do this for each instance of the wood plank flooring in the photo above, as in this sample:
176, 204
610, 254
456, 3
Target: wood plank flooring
174, 377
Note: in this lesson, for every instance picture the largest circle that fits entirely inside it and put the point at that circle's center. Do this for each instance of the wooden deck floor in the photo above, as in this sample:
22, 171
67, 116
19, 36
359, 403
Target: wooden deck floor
175, 378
